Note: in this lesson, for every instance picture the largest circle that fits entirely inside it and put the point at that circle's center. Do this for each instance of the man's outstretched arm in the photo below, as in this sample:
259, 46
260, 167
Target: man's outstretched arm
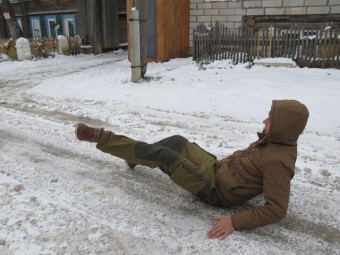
222, 228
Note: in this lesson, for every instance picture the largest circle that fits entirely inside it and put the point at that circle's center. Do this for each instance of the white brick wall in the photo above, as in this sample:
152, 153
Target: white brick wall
272, 3
318, 10
227, 12
334, 2
274, 11
290, 3
296, 11
315, 2
231, 12
335, 9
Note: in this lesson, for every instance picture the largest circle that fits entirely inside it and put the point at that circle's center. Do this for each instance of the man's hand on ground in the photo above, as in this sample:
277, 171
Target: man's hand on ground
222, 229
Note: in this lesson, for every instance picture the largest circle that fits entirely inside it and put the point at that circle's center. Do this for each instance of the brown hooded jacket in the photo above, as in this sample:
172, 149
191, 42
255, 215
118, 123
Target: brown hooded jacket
266, 166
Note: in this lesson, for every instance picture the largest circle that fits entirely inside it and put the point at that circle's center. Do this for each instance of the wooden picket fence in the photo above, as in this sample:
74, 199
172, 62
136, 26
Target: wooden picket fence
311, 47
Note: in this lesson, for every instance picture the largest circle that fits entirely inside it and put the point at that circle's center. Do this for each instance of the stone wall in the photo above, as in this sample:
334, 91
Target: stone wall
232, 12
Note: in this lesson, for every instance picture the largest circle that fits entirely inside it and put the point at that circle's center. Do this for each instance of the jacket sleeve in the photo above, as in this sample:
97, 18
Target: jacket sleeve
276, 191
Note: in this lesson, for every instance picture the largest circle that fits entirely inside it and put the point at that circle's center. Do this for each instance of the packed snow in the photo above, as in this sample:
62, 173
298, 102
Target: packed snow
62, 196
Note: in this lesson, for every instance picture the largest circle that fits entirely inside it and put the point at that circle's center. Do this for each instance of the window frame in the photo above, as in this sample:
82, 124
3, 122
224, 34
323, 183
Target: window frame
49, 18
19, 20
32, 19
65, 18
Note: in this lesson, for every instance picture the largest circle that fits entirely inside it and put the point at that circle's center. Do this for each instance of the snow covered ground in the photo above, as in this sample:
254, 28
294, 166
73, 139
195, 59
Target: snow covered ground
62, 196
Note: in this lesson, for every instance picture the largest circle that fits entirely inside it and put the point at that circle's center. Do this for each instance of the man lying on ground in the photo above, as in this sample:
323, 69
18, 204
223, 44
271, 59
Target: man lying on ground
265, 167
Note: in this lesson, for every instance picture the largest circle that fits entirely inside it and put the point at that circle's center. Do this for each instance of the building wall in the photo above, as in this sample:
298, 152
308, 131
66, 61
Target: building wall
59, 8
232, 13
38, 7
42, 9
122, 22
290, 7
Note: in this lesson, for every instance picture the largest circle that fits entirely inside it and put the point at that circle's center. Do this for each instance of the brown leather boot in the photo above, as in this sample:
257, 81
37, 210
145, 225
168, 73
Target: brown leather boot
89, 134
130, 165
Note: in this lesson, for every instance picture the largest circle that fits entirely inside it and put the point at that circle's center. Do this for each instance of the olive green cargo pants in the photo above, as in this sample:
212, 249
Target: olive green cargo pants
186, 163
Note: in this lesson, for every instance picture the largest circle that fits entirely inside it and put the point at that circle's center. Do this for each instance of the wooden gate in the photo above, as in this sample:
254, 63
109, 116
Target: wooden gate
99, 21
168, 28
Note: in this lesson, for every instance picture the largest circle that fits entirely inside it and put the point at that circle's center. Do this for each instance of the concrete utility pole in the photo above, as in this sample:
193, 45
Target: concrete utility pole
136, 68
138, 39
11, 21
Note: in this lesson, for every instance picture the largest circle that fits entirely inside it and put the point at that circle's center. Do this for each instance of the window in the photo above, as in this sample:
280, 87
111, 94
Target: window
51, 28
69, 25
35, 26
19, 20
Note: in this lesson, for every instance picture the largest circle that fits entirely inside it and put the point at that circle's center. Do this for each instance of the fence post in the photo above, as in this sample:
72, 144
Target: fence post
136, 69
337, 48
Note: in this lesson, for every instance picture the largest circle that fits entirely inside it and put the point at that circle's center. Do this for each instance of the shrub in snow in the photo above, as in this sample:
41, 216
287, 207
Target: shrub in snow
43, 48
7, 47
12, 51
86, 49
202, 63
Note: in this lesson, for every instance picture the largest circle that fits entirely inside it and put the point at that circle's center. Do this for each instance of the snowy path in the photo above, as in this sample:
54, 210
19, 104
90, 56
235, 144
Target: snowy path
62, 196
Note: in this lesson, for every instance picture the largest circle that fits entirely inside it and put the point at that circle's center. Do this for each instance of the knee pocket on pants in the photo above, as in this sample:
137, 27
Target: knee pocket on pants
192, 179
